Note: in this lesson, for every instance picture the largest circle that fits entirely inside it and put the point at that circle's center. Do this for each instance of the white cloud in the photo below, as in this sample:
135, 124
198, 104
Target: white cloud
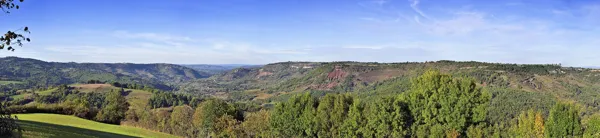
472, 34
160, 48
415, 6
364, 47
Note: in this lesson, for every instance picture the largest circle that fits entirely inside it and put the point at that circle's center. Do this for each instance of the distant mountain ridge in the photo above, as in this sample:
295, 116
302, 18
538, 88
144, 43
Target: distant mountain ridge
275, 81
592, 67
218, 68
41, 73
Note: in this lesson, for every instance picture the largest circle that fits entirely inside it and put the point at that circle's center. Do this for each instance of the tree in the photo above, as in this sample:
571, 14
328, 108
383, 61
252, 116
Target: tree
295, 117
592, 129
529, 124
478, 131
181, 121
387, 117
227, 126
12, 38
8, 123
257, 124
563, 121
207, 114
114, 107
441, 104
331, 114
353, 125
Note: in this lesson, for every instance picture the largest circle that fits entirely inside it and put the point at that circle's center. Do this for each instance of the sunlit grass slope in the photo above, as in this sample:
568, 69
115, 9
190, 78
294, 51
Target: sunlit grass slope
64, 126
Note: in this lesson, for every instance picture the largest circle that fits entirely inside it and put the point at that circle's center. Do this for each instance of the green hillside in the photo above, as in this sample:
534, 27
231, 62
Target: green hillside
63, 126
537, 86
36, 73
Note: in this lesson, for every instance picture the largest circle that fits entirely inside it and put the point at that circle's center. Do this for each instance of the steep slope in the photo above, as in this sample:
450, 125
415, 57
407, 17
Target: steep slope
32, 72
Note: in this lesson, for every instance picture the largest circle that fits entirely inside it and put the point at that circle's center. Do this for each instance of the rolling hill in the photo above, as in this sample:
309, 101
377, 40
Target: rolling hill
32, 72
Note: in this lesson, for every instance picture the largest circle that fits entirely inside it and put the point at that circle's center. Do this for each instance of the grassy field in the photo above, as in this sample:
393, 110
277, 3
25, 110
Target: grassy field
94, 87
45, 92
138, 99
9, 82
64, 126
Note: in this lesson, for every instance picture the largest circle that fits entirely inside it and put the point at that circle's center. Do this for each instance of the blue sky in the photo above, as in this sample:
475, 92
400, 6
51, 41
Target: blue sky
266, 31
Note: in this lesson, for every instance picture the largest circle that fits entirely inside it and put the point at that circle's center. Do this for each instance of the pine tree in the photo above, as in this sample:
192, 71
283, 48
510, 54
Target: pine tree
441, 104
563, 121
353, 125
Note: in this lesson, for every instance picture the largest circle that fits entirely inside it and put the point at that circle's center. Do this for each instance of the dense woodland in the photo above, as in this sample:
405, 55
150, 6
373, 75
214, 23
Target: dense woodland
340, 99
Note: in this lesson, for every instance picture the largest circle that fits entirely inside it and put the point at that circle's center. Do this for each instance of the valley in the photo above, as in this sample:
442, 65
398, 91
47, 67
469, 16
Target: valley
241, 96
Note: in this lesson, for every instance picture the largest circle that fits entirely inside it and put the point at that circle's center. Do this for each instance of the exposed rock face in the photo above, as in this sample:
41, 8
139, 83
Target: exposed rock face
531, 82
262, 73
336, 74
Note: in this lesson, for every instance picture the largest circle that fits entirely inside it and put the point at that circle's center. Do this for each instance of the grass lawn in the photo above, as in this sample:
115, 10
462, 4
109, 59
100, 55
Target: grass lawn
64, 126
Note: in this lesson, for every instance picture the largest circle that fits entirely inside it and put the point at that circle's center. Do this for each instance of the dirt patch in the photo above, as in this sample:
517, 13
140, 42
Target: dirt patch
263, 73
91, 86
331, 85
336, 74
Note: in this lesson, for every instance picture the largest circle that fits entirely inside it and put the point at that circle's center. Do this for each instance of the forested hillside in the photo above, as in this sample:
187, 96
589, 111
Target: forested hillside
28, 73
513, 87
385, 78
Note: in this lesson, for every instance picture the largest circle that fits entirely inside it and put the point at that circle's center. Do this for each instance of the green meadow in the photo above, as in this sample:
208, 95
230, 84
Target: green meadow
64, 126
